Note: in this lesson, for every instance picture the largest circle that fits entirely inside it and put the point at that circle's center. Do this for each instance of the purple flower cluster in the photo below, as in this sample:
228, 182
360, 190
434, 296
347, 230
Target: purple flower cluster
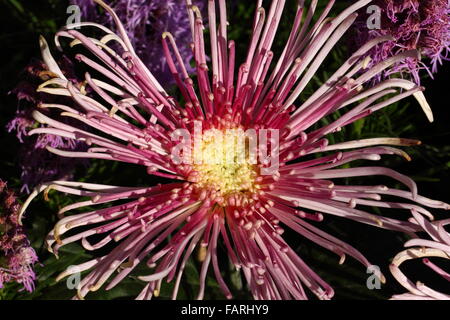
145, 21
37, 164
17, 256
413, 24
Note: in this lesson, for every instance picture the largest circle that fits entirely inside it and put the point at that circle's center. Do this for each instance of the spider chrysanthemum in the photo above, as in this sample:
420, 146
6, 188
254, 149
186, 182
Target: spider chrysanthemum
243, 157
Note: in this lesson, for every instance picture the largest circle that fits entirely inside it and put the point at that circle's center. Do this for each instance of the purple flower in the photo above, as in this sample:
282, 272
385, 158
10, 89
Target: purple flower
17, 257
20, 124
145, 21
413, 24
38, 165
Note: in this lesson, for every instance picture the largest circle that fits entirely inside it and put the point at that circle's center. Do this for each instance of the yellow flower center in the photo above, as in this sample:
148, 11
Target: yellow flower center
223, 162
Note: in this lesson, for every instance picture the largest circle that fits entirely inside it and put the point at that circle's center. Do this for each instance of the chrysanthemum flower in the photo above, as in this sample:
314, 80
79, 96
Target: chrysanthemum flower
242, 204
413, 24
17, 257
437, 247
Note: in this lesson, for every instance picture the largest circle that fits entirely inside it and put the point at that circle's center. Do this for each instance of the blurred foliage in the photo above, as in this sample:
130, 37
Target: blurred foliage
21, 23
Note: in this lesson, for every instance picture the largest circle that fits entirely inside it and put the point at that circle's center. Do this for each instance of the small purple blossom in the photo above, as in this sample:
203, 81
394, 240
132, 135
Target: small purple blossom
38, 165
145, 21
413, 24
20, 124
17, 256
